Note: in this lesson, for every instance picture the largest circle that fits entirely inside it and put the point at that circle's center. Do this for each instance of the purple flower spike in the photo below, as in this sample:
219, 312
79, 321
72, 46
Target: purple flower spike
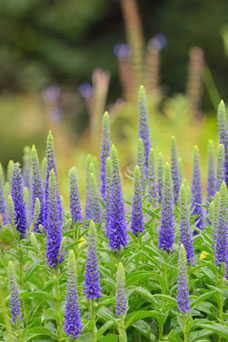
185, 231
121, 302
17, 194
221, 237
210, 170
3, 213
223, 133
182, 288
160, 176
166, 231
72, 320
197, 194
143, 124
117, 218
122, 50
152, 193
37, 189
50, 154
175, 169
108, 182
137, 224
92, 276
75, 206
15, 303
105, 150
54, 223
220, 174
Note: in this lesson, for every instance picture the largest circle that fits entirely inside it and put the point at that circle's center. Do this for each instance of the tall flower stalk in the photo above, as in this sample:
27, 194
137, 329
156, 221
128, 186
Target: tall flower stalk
95, 200
174, 169
54, 223
197, 193
220, 174
183, 292
3, 215
185, 238
37, 189
105, 151
160, 176
117, 219
137, 224
166, 230
141, 162
17, 194
210, 170
92, 276
72, 320
143, 125
75, 205
223, 133
121, 302
108, 182
152, 191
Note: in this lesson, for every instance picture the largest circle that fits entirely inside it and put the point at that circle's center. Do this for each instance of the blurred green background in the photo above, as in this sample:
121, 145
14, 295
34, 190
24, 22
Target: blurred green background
49, 49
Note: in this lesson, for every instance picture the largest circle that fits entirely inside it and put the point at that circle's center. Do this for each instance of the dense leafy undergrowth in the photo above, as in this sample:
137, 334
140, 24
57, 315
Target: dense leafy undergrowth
162, 297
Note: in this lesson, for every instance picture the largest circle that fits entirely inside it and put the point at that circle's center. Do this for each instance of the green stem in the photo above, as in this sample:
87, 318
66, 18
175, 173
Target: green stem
93, 313
185, 330
19, 336
164, 291
122, 330
220, 301
58, 304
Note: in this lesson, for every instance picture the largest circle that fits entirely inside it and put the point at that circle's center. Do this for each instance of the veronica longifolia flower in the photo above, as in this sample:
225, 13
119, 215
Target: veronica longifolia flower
210, 170
137, 224
182, 288
174, 169
152, 192
105, 150
92, 276
75, 206
72, 320
223, 133
221, 237
166, 230
121, 302
15, 303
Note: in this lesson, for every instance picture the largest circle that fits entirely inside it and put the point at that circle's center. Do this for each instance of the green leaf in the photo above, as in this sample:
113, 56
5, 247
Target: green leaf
104, 327
137, 276
201, 298
169, 299
144, 328
38, 294
220, 329
109, 338
145, 293
36, 333
137, 315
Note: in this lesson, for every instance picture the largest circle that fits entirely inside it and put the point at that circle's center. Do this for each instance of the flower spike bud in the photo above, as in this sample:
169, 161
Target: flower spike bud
117, 218
217, 200
166, 230
141, 161
107, 199
10, 172
88, 212
50, 154
210, 170
95, 201
221, 240
37, 192
143, 124
72, 320
182, 288
220, 175
137, 224
35, 244
174, 169
197, 194
185, 231
92, 276
11, 210
223, 133
15, 303
160, 176
75, 205
211, 213
17, 194
121, 302
43, 171
152, 193
105, 150
3, 215
54, 223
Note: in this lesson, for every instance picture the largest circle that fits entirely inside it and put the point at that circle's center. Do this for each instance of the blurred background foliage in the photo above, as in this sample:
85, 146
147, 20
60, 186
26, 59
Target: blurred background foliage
50, 49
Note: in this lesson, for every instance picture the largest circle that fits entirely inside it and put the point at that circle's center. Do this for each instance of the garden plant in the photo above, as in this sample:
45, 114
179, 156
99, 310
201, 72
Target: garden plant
153, 268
